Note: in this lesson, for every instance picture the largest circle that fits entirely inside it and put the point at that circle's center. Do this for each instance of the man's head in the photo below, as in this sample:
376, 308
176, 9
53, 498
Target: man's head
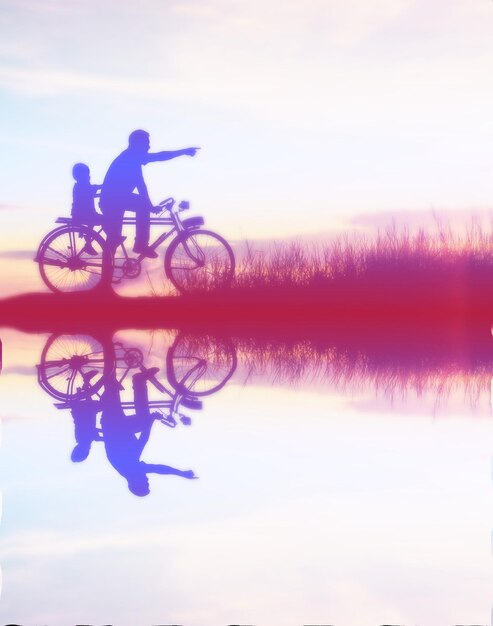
139, 141
81, 172
139, 484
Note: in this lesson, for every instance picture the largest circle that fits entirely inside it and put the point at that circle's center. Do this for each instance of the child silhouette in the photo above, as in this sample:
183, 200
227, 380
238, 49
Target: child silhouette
83, 194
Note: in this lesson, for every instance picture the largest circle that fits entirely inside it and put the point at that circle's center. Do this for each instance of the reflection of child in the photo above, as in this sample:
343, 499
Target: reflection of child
84, 415
83, 211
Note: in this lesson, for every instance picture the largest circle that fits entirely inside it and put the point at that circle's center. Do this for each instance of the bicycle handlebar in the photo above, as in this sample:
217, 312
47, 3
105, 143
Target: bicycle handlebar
169, 203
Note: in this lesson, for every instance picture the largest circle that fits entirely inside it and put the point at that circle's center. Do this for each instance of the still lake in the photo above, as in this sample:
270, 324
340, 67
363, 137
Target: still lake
317, 496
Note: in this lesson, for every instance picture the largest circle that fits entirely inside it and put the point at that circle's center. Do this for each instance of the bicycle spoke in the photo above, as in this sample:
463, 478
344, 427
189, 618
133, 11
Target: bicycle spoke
57, 252
200, 260
58, 373
63, 263
70, 382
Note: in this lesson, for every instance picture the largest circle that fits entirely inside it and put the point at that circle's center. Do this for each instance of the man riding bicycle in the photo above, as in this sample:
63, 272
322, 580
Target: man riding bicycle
79, 256
117, 192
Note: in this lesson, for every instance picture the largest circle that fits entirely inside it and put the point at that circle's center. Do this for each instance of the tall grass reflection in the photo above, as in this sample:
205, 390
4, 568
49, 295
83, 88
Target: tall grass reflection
393, 372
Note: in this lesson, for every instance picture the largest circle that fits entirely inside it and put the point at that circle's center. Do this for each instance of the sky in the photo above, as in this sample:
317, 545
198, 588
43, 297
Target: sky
308, 113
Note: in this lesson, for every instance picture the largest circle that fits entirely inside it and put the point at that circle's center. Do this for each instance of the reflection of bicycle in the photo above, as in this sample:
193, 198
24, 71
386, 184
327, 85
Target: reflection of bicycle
165, 411
73, 367
70, 257
200, 364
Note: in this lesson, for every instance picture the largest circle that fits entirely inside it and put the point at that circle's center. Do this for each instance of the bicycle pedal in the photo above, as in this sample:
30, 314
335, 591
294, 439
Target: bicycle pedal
168, 421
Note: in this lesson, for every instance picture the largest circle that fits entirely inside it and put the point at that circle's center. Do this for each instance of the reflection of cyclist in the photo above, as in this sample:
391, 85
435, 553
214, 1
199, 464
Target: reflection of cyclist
117, 194
123, 447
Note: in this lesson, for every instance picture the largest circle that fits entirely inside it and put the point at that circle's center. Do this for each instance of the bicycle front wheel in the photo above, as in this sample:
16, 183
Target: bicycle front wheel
200, 365
199, 260
71, 259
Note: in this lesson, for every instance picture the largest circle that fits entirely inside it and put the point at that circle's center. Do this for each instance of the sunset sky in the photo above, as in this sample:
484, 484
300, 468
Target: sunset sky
308, 113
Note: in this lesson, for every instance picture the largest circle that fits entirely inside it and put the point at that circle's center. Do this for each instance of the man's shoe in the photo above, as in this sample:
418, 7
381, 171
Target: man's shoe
88, 376
88, 249
151, 372
147, 252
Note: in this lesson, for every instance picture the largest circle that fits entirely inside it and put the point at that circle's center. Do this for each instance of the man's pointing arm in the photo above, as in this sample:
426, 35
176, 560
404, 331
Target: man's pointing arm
167, 155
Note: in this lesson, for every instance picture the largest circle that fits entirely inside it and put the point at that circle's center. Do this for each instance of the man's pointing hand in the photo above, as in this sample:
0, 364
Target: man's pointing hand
190, 151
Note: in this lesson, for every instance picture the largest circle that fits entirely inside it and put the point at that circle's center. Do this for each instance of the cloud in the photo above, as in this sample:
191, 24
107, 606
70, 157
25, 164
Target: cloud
36, 543
22, 370
6, 206
52, 82
304, 61
17, 254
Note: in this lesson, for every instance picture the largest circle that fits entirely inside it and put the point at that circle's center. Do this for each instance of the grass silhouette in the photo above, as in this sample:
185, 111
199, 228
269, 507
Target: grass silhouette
402, 310
404, 282
392, 253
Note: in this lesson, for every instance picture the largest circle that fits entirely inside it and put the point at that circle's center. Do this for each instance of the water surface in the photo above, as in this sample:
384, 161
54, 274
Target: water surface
320, 499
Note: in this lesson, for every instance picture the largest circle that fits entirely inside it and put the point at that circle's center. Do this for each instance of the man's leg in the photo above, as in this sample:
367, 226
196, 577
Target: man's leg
143, 228
141, 396
113, 220
142, 222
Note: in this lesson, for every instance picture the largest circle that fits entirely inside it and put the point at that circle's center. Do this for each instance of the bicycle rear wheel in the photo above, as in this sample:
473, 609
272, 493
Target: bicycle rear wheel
72, 366
71, 259
200, 365
199, 260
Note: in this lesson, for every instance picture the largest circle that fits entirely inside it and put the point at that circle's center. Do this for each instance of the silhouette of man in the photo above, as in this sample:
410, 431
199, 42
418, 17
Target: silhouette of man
123, 447
117, 193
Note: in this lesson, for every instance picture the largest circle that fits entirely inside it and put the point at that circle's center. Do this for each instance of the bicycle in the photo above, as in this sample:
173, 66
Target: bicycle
70, 257
73, 367
167, 412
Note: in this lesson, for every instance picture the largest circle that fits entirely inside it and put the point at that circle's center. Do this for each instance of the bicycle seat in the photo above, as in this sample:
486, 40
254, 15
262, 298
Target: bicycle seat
72, 222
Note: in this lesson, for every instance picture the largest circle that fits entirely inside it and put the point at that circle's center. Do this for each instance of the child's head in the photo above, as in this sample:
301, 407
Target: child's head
81, 172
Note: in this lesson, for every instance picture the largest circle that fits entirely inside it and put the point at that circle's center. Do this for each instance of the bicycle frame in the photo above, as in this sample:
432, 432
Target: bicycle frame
175, 396
161, 239
173, 220
170, 406
82, 266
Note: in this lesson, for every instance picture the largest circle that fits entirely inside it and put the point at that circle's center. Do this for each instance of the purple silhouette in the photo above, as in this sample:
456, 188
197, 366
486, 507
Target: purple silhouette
118, 191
